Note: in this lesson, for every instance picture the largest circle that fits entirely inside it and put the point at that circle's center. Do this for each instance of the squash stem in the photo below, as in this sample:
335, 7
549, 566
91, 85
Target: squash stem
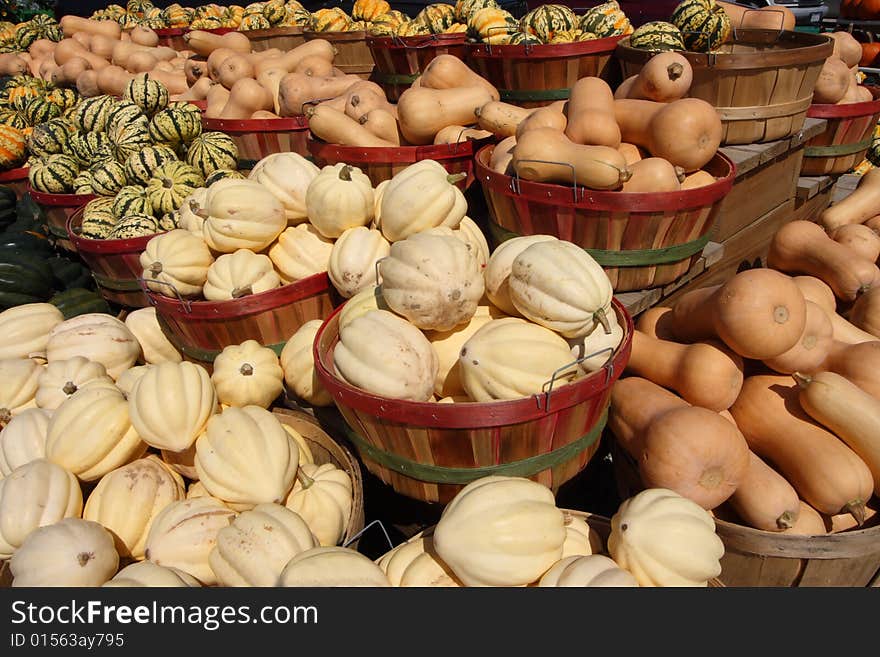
69, 388
786, 520
674, 71
455, 177
345, 173
803, 380
156, 269
246, 369
602, 318
240, 292
5, 416
856, 508
305, 480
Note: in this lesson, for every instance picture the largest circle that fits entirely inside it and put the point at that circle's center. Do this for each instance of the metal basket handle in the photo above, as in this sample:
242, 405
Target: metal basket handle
764, 11
547, 388
187, 305
515, 179
528, 46
366, 527
711, 57
422, 44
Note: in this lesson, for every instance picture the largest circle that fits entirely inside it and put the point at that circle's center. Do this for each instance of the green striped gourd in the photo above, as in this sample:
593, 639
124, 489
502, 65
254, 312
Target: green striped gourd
175, 126
332, 19
64, 98
657, 36
101, 205
54, 174
297, 17
154, 22
37, 110
77, 301
138, 7
25, 35
169, 221
129, 138
492, 25
546, 20
82, 184
438, 17
91, 114
184, 106
212, 151
704, 24
134, 225
139, 167
464, 9
171, 183
523, 39
12, 147
150, 95
128, 21
565, 36
13, 119
384, 26
606, 20
275, 12
254, 22
131, 199
220, 174
49, 138
24, 278
90, 147
97, 226
123, 111
108, 177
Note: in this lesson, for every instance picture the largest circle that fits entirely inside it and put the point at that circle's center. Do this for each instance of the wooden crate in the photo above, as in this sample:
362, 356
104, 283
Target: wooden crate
813, 195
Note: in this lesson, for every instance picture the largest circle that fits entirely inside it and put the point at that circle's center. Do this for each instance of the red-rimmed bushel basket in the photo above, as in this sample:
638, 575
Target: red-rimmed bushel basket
115, 264
537, 75
642, 240
257, 138
400, 60
58, 208
847, 136
428, 451
283, 38
17, 179
172, 37
382, 163
201, 329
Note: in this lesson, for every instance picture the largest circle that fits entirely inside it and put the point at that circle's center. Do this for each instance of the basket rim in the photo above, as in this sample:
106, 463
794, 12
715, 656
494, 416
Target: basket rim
423, 40
848, 110
104, 247
564, 195
15, 175
396, 154
290, 30
60, 200
284, 124
470, 415
171, 31
251, 304
544, 50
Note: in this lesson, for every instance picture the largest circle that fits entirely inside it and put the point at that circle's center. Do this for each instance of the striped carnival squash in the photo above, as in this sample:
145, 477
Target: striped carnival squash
130, 137
91, 114
12, 93
76, 301
138, 7
12, 147
254, 22
36, 110
131, 199
275, 12
82, 184
704, 24
98, 225
169, 221
606, 20
129, 21
153, 22
25, 35
123, 111
438, 17
171, 183
297, 17
206, 23
13, 119
566, 36
369, 10
385, 25
177, 16
108, 177
464, 9
358, 26
50, 137
332, 19
89, 147
413, 28
657, 36
491, 25
139, 167
64, 98
54, 174
586, 36
175, 126
212, 151
150, 95
134, 225
523, 39
184, 106
546, 20
24, 278
209, 10
220, 174
97, 206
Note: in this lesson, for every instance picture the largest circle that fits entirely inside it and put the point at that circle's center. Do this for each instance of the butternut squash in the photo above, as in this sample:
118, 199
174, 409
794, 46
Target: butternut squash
41, 49
144, 36
382, 124
696, 453
455, 134
813, 347
860, 363
821, 294
699, 178
856, 208
652, 175
667, 76
198, 91
655, 321
635, 404
703, 374
624, 88
802, 247
590, 111
847, 47
449, 72
296, 89
364, 99
759, 313
113, 80
195, 69
501, 119
87, 84
122, 51
823, 470
234, 68
72, 24
271, 81
809, 522
246, 97
764, 499
596, 167
844, 522
203, 43
860, 239
216, 99
175, 82
84, 38
502, 155
69, 49
543, 117
215, 60
66, 76
846, 410
853, 92
141, 62
865, 312
102, 46
424, 112
315, 66
336, 127
631, 152
833, 81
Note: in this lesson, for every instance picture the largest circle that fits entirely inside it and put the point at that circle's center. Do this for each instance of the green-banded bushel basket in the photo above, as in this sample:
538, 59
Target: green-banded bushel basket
201, 329
57, 209
847, 137
115, 264
257, 138
400, 60
642, 240
538, 75
429, 451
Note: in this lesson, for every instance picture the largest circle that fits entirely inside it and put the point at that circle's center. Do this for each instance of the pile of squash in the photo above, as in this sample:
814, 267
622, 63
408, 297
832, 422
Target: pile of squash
839, 80
17, 38
647, 136
760, 398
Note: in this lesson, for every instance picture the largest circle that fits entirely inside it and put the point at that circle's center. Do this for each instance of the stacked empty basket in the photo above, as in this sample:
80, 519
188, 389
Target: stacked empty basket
846, 139
400, 60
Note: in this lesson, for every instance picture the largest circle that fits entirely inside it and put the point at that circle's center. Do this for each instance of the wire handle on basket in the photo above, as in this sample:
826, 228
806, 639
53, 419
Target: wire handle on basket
187, 306
376, 266
429, 39
361, 533
514, 180
761, 11
608, 367
711, 57
528, 46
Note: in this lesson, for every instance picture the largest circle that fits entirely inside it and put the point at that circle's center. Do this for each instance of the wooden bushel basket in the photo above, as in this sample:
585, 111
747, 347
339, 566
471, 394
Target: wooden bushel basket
380, 164
17, 179
846, 139
257, 138
761, 83
172, 37
352, 54
641, 240
58, 208
400, 60
200, 330
429, 451
537, 75
753, 557
115, 264
283, 38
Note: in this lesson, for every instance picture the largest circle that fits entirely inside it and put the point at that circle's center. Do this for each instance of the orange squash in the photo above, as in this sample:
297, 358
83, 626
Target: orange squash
501, 119
759, 313
631, 152
859, 363
764, 499
856, 208
449, 72
336, 127
699, 178
655, 321
590, 111
542, 117
809, 522
802, 247
822, 295
823, 470
860, 239
635, 404
423, 112
667, 76
704, 374
652, 175
865, 312
813, 347
297, 89
833, 81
